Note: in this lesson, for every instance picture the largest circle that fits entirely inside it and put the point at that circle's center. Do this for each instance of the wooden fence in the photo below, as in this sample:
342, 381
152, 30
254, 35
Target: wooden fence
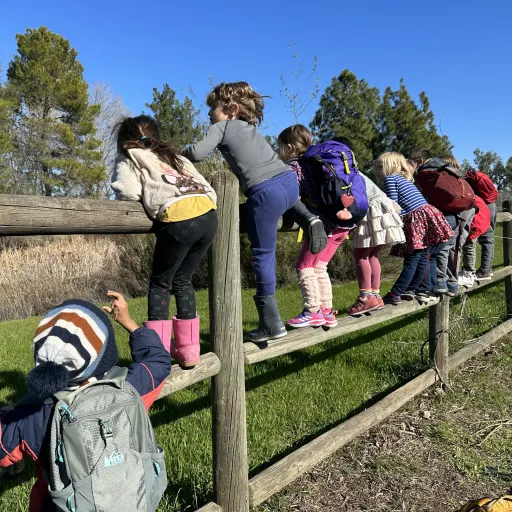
233, 490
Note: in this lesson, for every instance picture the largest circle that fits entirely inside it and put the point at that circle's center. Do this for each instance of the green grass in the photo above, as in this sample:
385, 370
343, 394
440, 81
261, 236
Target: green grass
290, 399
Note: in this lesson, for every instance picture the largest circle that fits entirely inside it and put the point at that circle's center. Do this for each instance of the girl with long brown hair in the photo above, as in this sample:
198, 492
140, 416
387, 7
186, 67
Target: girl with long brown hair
182, 205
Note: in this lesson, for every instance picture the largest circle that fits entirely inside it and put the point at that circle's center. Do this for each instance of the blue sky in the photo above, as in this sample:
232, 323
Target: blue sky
458, 52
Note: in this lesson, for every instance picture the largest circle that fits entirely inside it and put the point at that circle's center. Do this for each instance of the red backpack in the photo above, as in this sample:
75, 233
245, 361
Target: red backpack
482, 185
444, 187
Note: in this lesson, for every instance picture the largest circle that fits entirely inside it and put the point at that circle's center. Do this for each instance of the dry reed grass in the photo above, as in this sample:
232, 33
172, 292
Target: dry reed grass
38, 274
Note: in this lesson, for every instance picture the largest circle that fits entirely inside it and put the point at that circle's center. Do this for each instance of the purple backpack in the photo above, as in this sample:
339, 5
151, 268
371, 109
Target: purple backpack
335, 174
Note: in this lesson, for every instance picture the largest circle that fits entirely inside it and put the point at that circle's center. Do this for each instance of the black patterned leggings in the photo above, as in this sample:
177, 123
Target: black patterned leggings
180, 248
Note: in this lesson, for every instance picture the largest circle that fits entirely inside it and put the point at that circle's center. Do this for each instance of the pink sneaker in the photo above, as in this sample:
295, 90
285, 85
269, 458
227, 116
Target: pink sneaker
307, 319
364, 305
330, 317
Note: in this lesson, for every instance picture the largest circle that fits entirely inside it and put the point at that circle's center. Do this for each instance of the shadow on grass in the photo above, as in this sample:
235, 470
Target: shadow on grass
410, 370
12, 379
172, 412
27, 474
303, 360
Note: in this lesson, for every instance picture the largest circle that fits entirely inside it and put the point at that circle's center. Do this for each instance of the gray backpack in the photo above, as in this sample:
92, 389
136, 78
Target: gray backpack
103, 452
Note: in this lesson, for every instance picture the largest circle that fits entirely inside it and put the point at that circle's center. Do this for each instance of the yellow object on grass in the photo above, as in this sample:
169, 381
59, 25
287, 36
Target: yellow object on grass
300, 236
503, 504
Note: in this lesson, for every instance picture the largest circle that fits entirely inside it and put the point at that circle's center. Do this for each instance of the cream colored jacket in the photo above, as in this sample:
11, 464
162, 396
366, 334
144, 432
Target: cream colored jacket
144, 177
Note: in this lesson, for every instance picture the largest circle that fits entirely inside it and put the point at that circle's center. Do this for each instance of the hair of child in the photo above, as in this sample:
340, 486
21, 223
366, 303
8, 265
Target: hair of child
250, 103
420, 154
293, 141
393, 162
451, 160
142, 132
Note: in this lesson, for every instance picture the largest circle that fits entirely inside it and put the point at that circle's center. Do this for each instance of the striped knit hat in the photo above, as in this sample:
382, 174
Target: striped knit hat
74, 342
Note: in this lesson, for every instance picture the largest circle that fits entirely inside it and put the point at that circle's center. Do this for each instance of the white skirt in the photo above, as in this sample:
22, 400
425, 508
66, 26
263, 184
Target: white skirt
382, 225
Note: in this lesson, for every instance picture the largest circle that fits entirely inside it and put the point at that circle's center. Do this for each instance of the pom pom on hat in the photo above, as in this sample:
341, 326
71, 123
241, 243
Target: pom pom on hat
45, 380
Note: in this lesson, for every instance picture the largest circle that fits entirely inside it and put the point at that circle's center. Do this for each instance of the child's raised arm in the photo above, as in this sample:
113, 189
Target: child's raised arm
199, 151
151, 362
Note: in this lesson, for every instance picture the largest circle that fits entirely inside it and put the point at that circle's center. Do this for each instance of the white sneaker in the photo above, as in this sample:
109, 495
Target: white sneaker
466, 278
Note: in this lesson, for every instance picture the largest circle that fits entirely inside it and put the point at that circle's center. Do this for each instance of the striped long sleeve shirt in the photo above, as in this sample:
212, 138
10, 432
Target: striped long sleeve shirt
403, 192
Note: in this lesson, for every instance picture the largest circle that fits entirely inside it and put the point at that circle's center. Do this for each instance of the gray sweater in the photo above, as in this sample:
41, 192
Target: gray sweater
246, 151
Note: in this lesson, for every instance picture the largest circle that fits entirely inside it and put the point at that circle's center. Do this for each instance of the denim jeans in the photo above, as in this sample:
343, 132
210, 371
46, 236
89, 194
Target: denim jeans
429, 284
413, 272
448, 260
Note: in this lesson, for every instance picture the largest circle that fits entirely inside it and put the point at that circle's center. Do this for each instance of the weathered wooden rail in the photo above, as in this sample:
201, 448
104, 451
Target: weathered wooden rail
234, 492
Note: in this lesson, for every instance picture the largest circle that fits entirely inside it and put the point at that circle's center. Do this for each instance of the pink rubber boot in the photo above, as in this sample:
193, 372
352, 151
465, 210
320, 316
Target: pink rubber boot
163, 329
185, 343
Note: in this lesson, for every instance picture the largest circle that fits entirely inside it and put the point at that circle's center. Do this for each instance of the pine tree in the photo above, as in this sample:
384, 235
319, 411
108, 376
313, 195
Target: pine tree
6, 105
492, 164
177, 119
55, 149
349, 108
406, 126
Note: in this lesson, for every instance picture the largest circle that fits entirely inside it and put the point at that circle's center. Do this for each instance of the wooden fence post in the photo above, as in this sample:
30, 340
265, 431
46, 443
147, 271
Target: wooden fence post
507, 257
439, 322
230, 467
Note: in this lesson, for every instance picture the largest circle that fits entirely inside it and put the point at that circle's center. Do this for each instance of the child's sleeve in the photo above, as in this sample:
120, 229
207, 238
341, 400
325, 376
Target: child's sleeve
126, 182
199, 151
391, 188
22, 432
151, 366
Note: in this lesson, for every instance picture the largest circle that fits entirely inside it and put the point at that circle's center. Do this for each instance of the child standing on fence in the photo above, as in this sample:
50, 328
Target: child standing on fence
74, 344
314, 282
381, 226
442, 183
271, 189
424, 225
182, 205
487, 191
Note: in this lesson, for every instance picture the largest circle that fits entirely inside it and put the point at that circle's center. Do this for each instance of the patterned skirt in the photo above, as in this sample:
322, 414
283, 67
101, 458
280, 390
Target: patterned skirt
424, 227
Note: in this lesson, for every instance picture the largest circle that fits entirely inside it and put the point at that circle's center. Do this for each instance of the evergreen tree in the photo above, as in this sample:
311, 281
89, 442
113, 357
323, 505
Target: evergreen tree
6, 105
406, 126
177, 119
349, 108
492, 164
55, 149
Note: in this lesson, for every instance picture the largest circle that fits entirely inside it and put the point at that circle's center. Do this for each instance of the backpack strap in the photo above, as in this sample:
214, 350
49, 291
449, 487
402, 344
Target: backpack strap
345, 161
116, 377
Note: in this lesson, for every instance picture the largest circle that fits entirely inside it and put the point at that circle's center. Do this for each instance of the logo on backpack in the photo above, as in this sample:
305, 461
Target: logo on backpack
444, 187
115, 459
338, 182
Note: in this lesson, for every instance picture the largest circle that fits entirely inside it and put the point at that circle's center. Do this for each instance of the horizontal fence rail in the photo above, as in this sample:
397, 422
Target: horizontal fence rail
40, 215
180, 379
309, 336
233, 491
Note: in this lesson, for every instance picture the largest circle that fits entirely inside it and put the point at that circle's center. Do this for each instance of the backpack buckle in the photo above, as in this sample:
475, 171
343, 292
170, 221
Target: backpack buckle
106, 430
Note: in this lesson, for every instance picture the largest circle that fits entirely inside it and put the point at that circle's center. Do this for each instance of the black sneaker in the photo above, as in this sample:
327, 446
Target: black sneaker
483, 275
408, 295
391, 298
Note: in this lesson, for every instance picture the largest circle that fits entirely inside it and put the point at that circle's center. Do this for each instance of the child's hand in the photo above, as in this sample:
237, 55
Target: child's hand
119, 311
